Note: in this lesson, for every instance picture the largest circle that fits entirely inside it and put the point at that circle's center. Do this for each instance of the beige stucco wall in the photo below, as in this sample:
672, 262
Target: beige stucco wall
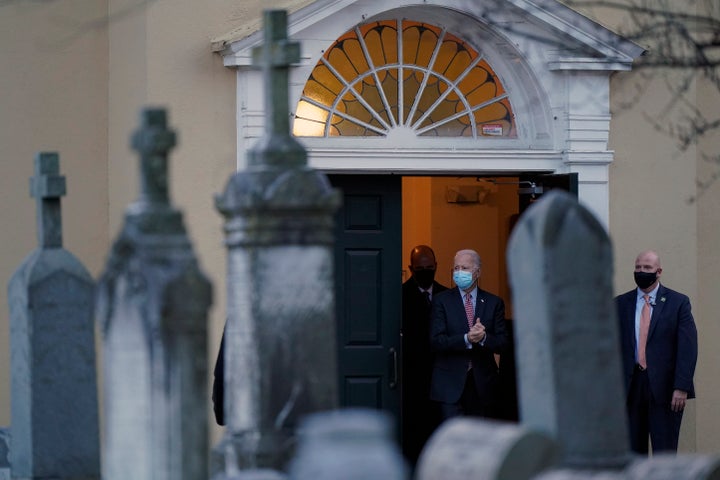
76, 85
162, 57
652, 184
53, 97
707, 301
79, 92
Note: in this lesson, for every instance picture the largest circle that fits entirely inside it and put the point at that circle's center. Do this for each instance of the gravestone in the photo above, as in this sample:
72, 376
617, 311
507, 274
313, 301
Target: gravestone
560, 265
4, 454
572, 405
280, 344
54, 406
474, 448
152, 309
567, 345
348, 444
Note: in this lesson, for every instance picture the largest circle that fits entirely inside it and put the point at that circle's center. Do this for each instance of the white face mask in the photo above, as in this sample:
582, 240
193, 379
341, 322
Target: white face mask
462, 278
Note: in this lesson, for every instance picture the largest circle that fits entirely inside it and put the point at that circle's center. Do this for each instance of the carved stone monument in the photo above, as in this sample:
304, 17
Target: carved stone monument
566, 333
280, 345
568, 352
152, 308
54, 407
473, 448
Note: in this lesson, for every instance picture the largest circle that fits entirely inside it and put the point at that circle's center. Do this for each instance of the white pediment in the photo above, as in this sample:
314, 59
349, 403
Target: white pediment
570, 40
553, 62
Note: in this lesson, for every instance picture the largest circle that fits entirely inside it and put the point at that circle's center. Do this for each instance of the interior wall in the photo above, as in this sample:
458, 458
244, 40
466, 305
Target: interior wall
453, 213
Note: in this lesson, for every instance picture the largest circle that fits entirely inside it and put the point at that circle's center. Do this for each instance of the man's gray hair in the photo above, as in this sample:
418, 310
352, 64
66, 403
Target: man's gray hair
475, 256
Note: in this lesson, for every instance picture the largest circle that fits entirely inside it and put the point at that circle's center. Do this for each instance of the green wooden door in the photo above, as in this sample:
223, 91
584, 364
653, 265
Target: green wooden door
368, 291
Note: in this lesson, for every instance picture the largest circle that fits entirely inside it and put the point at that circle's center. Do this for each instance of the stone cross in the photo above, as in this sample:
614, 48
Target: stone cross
153, 142
280, 345
277, 147
152, 308
54, 406
47, 186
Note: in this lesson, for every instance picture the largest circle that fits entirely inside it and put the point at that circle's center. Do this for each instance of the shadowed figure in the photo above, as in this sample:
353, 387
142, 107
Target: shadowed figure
420, 415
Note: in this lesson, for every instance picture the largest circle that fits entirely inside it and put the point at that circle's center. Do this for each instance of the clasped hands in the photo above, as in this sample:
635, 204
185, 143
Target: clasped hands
477, 332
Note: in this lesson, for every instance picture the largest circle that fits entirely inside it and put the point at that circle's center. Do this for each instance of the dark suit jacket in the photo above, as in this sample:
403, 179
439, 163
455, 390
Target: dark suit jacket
419, 415
671, 348
218, 387
417, 357
448, 327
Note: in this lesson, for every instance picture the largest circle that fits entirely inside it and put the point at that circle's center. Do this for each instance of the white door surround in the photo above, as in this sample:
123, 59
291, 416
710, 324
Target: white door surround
554, 63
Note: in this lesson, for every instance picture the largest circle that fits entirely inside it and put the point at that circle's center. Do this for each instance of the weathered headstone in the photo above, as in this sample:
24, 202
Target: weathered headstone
280, 345
4, 454
560, 264
52, 349
473, 448
152, 306
352, 444
672, 467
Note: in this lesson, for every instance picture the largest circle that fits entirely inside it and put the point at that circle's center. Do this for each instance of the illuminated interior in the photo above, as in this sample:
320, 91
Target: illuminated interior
448, 89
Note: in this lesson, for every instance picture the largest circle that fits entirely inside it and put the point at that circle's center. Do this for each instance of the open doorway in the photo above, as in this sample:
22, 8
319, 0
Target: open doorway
451, 213
448, 214
381, 219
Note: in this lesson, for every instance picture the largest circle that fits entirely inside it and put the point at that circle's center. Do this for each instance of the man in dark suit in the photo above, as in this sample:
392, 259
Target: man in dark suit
467, 329
658, 343
419, 415
218, 386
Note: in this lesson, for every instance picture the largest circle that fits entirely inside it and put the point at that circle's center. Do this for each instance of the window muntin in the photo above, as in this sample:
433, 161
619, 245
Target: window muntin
447, 90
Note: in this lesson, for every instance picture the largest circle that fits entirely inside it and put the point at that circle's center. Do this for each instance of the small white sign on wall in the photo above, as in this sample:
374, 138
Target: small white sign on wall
492, 130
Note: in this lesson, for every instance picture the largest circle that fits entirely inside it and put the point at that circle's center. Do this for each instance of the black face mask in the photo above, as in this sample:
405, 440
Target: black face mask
424, 278
645, 279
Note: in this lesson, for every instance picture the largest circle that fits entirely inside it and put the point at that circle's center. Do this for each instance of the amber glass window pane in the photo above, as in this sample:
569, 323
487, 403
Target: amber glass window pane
440, 86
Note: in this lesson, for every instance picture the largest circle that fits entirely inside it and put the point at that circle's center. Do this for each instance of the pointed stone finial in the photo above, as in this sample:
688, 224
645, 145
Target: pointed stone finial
47, 186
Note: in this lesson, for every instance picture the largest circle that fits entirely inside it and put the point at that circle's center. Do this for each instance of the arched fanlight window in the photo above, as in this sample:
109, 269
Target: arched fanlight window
447, 90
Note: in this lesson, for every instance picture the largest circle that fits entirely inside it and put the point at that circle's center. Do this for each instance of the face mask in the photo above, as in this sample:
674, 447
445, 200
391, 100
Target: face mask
424, 278
645, 279
463, 278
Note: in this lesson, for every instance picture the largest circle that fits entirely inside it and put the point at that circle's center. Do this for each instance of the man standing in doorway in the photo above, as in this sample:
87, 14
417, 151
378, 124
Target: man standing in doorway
467, 329
658, 343
419, 414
